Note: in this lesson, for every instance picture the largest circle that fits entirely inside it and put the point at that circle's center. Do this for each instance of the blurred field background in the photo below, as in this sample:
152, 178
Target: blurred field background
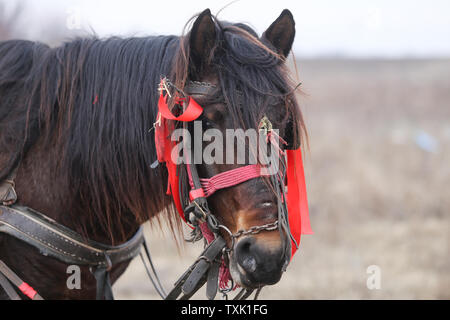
378, 180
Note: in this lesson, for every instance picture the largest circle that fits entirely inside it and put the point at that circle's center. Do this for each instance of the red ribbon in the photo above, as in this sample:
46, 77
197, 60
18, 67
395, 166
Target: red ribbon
297, 200
192, 111
164, 145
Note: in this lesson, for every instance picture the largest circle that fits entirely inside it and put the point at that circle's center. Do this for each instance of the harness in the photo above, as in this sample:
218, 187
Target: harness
190, 198
55, 240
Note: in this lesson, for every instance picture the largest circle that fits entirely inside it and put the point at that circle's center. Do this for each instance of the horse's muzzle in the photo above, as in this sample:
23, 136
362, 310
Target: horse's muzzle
255, 265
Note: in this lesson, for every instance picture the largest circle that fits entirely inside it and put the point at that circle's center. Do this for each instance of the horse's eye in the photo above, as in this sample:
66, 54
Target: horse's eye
207, 123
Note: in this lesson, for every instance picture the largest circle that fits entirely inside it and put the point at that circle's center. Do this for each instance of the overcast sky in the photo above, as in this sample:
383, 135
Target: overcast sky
394, 28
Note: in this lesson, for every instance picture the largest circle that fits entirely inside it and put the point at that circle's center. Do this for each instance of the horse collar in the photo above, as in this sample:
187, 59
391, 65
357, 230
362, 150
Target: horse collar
55, 240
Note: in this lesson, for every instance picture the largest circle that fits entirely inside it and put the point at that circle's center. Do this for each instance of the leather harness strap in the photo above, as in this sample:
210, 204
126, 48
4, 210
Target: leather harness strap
55, 240
58, 241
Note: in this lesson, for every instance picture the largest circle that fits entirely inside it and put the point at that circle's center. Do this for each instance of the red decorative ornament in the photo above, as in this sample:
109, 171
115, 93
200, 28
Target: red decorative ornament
164, 145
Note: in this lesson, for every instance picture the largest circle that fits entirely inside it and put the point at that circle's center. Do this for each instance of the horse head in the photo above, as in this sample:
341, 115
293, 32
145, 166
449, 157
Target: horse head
241, 82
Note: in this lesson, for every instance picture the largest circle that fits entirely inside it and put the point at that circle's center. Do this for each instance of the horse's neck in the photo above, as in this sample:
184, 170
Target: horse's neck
41, 187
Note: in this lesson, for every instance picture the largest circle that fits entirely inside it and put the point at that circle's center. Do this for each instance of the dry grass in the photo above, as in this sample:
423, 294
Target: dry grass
375, 196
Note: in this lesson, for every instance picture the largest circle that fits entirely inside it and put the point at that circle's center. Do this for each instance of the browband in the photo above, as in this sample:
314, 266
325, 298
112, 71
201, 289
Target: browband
199, 88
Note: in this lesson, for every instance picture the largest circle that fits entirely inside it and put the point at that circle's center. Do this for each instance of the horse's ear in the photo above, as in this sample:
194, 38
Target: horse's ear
202, 38
281, 33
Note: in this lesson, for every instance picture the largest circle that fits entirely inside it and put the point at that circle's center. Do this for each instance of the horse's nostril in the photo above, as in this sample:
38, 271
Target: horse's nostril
244, 255
243, 245
249, 263
256, 263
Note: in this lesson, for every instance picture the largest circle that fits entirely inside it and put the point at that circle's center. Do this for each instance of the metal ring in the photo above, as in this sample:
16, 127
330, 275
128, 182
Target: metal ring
230, 234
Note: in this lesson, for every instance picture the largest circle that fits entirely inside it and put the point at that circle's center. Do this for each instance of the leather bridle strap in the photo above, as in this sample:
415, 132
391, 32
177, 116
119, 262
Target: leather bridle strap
195, 277
199, 88
206, 268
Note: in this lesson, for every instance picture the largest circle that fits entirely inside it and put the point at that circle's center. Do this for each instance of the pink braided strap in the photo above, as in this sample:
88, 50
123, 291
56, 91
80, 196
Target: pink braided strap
207, 234
224, 271
231, 178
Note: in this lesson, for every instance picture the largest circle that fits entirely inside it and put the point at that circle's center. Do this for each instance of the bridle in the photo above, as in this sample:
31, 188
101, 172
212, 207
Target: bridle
194, 193
55, 240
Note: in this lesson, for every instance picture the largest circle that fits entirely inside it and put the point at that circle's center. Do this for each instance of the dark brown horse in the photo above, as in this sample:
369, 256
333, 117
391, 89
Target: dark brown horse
75, 120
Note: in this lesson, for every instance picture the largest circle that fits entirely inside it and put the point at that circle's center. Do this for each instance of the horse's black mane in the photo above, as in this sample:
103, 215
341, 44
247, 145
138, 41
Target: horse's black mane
96, 99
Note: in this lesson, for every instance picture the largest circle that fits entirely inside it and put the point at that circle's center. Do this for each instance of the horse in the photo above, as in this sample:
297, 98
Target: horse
77, 138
